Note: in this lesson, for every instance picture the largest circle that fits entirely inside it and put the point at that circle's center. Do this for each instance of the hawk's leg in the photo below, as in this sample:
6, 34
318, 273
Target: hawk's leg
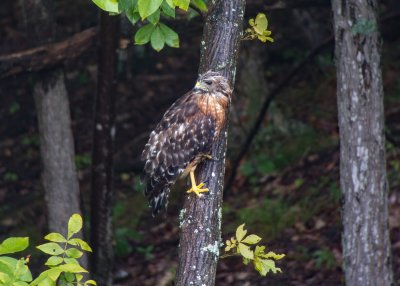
196, 188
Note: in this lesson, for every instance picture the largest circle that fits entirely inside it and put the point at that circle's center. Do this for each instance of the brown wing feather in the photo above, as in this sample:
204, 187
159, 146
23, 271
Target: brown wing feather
184, 132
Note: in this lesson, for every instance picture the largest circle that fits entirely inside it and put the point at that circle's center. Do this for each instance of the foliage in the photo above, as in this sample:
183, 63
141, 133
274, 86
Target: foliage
151, 13
244, 246
258, 29
64, 268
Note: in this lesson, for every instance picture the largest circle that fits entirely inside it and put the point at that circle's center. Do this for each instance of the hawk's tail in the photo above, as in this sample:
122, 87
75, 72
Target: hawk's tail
157, 197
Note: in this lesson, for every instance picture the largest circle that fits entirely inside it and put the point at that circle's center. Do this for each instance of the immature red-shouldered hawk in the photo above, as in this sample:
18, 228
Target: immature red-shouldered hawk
184, 137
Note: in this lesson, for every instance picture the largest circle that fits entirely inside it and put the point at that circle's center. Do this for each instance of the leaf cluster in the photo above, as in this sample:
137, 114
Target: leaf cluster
258, 29
248, 248
64, 268
150, 13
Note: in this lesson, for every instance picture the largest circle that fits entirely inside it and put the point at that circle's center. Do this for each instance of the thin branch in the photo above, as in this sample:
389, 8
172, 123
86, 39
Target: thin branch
46, 56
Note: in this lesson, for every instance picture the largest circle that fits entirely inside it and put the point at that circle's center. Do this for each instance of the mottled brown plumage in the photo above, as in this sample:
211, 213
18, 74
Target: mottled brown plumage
184, 137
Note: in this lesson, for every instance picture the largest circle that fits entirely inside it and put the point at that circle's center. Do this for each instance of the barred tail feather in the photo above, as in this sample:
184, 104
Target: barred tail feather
158, 199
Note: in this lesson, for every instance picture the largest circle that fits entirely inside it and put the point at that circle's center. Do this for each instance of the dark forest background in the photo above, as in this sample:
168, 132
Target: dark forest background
286, 187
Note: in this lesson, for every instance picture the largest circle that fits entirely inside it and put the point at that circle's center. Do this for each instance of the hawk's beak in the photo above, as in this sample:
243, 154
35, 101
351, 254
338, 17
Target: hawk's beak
199, 86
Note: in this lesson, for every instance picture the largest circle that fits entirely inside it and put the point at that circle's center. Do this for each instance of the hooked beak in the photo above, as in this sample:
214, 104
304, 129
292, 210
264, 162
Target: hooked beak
199, 86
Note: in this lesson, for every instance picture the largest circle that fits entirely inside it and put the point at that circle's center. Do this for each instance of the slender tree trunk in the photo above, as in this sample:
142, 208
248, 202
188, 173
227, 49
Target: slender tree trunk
201, 218
59, 176
104, 130
366, 243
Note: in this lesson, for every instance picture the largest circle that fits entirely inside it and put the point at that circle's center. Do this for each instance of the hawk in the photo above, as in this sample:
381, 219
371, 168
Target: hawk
184, 137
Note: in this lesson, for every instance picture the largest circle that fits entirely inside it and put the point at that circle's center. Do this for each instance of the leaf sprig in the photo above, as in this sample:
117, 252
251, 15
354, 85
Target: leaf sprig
63, 262
258, 29
243, 245
151, 12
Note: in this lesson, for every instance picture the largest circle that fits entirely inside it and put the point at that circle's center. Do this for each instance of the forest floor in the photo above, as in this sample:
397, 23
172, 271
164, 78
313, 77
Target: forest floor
287, 187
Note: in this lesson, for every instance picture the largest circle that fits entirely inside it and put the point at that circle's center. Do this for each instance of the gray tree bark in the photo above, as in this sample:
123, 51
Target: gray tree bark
201, 217
59, 176
366, 243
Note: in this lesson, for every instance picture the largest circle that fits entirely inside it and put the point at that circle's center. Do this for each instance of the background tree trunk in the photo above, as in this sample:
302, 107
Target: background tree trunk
366, 243
104, 131
201, 217
59, 175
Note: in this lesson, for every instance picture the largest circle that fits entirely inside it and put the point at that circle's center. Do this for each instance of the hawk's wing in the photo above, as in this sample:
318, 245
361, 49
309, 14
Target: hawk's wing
183, 133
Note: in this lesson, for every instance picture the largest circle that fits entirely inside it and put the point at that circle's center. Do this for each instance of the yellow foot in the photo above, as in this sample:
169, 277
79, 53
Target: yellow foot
197, 189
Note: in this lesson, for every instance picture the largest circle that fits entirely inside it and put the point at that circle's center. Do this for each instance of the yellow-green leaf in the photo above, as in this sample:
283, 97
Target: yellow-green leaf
261, 23
14, 244
73, 268
51, 248
90, 282
182, 4
171, 37
251, 239
73, 253
143, 35
81, 243
148, 7
55, 237
240, 232
157, 39
199, 4
54, 260
245, 251
274, 255
74, 225
107, 5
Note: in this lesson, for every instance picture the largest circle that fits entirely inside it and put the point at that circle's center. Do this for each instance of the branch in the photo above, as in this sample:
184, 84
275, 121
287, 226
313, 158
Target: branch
260, 118
201, 217
46, 56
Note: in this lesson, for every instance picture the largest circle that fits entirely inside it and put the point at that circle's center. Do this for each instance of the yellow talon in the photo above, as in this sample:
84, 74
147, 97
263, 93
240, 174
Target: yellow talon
196, 188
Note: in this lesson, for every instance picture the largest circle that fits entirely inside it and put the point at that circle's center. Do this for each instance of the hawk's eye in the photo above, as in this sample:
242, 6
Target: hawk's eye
208, 82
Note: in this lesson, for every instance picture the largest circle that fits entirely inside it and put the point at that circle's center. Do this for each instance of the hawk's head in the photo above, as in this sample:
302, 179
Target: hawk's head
214, 84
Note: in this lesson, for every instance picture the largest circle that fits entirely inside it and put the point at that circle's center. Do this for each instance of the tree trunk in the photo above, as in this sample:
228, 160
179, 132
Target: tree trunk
59, 177
201, 217
366, 243
104, 130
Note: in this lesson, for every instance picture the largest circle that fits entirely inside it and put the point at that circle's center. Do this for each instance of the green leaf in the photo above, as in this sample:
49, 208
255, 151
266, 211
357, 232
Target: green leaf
14, 244
199, 4
157, 39
182, 4
70, 277
245, 251
79, 277
240, 232
154, 18
127, 5
22, 271
73, 268
91, 282
170, 3
20, 283
7, 265
73, 253
71, 261
171, 37
143, 35
81, 243
54, 260
55, 237
261, 23
5, 279
168, 10
42, 279
148, 7
107, 5
74, 225
251, 239
133, 17
51, 248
